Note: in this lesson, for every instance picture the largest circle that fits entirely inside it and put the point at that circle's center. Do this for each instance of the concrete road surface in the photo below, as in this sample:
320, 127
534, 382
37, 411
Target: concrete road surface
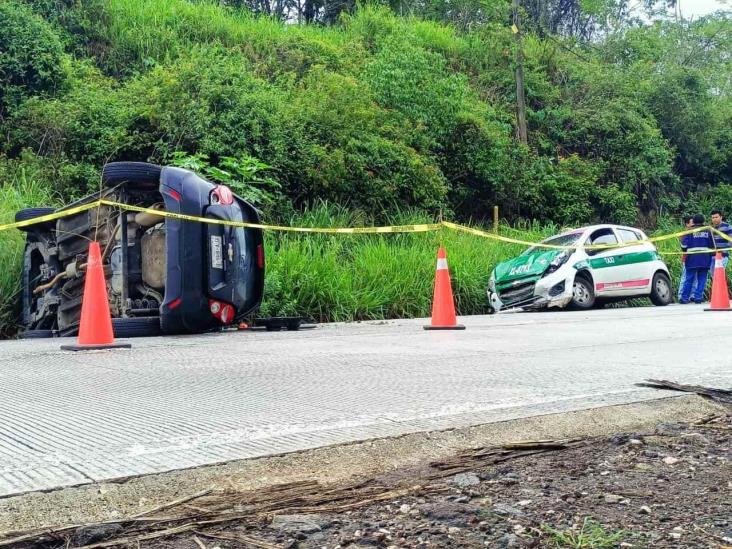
170, 403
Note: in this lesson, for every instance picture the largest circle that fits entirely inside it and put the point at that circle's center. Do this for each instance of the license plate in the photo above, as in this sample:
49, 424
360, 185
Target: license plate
217, 256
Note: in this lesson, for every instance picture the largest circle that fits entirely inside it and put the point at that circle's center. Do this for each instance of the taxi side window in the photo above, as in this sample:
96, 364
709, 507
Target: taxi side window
628, 235
601, 237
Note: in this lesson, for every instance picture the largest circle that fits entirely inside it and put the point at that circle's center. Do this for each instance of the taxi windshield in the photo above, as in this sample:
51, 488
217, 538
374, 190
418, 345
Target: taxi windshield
567, 239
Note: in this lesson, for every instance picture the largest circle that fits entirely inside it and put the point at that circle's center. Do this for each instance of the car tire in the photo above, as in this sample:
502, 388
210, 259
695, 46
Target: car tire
138, 175
661, 291
31, 213
144, 326
583, 294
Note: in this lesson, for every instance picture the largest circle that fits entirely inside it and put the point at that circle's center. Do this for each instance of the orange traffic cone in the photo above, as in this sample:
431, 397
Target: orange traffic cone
720, 295
95, 328
443, 305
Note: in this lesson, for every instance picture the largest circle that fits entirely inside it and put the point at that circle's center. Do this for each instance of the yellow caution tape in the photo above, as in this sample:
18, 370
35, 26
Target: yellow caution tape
678, 234
49, 217
419, 228
415, 228
709, 251
723, 235
493, 236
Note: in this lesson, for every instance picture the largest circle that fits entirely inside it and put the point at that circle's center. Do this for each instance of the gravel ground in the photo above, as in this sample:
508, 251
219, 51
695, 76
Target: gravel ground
666, 485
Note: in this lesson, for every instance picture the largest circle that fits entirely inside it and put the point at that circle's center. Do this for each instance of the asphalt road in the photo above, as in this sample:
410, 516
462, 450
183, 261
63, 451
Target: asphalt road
171, 403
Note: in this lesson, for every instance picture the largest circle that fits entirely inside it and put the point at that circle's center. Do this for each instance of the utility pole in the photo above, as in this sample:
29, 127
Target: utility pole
521, 131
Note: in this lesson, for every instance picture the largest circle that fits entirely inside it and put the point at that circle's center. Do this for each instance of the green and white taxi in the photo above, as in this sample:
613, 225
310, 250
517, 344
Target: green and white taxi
595, 265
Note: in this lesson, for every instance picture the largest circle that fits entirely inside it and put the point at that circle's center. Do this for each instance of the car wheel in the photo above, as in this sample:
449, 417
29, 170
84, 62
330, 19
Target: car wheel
139, 175
31, 213
661, 293
583, 295
144, 326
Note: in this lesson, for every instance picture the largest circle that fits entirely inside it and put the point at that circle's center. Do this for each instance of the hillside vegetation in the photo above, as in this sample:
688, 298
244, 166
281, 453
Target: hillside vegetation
386, 115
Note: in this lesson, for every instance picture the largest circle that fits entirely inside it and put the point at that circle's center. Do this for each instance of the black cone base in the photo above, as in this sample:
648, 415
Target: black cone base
76, 347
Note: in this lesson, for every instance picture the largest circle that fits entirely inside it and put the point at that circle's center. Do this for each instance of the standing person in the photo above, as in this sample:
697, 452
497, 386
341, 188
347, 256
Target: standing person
688, 224
720, 242
697, 262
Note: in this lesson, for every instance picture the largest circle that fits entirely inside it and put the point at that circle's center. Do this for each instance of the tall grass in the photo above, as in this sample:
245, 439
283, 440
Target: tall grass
149, 31
18, 189
370, 277
362, 277
141, 33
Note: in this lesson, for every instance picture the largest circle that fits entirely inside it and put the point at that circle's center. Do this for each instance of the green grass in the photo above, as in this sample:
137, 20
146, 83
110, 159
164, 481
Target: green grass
18, 189
140, 33
591, 535
368, 277
157, 31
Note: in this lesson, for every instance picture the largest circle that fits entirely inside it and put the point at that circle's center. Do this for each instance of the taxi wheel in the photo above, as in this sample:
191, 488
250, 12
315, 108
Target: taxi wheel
661, 292
583, 296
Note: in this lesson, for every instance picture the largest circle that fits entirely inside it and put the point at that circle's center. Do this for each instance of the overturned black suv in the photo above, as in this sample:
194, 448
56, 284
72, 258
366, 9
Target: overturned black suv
163, 275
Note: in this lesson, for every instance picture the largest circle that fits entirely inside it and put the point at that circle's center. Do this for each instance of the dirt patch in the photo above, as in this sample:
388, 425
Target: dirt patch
666, 485
334, 464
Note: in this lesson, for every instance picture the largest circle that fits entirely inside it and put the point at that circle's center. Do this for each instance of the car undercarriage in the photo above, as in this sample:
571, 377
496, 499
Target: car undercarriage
161, 274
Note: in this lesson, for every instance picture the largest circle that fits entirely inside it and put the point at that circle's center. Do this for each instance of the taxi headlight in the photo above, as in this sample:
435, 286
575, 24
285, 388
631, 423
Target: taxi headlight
558, 261
492, 283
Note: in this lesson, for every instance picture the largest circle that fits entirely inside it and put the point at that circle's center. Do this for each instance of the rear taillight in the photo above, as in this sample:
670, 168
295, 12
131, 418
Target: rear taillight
175, 195
222, 195
223, 311
260, 256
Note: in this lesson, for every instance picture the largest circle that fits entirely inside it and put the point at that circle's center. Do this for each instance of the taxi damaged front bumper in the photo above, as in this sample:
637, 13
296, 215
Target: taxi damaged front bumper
553, 290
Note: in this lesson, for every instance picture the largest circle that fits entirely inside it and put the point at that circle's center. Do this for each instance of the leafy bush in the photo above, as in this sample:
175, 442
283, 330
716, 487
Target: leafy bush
32, 60
246, 176
380, 111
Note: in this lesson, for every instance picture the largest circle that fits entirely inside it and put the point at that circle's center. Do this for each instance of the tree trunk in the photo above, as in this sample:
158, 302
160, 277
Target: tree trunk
521, 131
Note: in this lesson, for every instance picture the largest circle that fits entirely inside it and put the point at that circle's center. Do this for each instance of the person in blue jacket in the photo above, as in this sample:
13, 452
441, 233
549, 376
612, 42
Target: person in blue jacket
721, 243
688, 224
697, 262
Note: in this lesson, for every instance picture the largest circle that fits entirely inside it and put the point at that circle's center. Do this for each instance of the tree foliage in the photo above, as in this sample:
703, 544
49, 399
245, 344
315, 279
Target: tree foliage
31, 56
379, 111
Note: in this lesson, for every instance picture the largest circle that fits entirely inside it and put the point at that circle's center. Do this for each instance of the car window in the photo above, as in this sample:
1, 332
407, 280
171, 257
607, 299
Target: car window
629, 236
601, 237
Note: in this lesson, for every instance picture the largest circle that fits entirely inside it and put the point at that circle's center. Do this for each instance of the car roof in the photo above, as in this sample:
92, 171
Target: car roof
591, 228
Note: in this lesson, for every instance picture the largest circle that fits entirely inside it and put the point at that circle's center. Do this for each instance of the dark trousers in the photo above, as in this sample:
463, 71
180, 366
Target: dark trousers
700, 275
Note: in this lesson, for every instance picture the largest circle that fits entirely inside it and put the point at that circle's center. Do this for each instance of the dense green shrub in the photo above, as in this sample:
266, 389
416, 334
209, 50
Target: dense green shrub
32, 60
380, 110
